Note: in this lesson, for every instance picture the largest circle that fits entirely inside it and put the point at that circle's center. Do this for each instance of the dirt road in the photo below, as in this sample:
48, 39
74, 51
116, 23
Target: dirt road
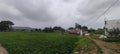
108, 48
3, 50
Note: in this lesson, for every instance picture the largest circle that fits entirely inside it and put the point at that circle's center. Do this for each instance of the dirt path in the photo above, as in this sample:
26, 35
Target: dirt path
3, 50
108, 48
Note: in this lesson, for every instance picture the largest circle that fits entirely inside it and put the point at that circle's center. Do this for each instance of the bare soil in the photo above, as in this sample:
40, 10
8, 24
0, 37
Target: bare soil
108, 47
3, 50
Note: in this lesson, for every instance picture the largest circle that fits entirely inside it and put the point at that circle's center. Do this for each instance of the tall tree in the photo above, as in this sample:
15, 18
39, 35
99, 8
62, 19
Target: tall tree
6, 25
77, 26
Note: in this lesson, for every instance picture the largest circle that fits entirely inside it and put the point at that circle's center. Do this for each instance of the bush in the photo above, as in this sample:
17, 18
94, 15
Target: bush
115, 32
98, 31
112, 40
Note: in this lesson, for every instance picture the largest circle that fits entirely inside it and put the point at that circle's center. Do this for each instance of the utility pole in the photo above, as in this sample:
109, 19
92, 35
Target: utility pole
105, 22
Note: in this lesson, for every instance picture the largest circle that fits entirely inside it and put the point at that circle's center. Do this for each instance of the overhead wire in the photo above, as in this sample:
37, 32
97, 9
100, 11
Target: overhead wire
104, 12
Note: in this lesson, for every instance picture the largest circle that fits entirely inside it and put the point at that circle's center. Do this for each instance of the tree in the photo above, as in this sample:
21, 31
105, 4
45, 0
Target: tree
6, 25
77, 26
100, 31
58, 28
91, 30
85, 28
39, 29
48, 29
71, 28
36, 29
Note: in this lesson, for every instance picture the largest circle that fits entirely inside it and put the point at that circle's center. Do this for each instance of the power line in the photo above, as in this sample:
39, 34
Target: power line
106, 10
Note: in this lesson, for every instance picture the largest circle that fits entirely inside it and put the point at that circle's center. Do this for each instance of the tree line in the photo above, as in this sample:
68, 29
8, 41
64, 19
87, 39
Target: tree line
7, 26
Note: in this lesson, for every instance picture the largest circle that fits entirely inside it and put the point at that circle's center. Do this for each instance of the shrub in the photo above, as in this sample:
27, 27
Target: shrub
115, 32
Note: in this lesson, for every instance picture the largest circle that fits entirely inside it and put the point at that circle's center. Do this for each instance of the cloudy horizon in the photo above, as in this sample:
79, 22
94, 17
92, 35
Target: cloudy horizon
64, 13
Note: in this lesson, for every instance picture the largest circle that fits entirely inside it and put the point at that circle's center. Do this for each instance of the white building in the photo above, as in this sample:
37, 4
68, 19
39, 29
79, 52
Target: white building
110, 24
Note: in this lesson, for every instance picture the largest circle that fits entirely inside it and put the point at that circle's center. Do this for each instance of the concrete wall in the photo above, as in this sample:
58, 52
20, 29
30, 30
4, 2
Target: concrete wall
110, 24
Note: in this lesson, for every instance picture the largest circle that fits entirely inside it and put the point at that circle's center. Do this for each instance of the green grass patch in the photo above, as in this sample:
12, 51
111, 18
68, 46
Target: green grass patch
112, 40
87, 45
99, 50
83, 42
38, 43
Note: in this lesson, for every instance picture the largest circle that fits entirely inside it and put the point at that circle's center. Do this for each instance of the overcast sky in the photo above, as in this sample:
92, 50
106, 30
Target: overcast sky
65, 13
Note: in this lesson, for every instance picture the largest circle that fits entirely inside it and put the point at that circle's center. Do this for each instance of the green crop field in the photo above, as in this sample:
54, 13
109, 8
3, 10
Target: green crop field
37, 43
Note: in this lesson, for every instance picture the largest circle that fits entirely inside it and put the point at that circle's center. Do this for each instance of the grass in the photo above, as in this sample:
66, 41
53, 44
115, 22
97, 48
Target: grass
112, 40
37, 43
99, 50
83, 42
88, 45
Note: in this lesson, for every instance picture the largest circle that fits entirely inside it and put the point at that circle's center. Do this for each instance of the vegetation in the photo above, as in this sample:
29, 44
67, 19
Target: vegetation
78, 26
51, 42
112, 40
44, 43
6, 25
48, 29
71, 28
37, 43
113, 33
87, 45
54, 29
98, 31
